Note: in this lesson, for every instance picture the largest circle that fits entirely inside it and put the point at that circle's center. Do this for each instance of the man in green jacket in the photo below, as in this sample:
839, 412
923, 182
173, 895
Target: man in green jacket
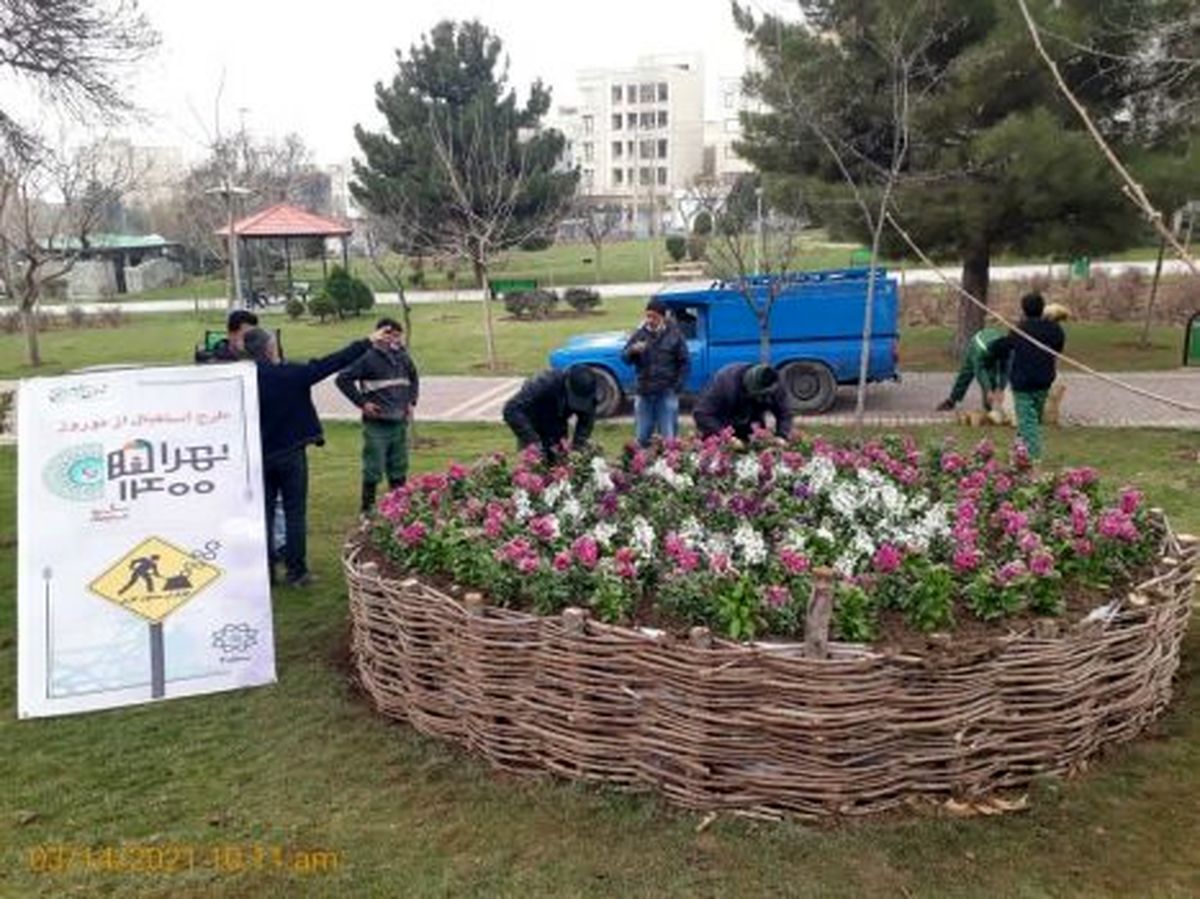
991, 373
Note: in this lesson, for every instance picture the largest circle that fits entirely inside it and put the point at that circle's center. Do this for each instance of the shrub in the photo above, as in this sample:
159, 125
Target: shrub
702, 224
697, 248
350, 295
531, 303
322, 306
294, 308
537, 242
677, 247
76, 317
10, 321
582, 299
362, 298
110, 317
6, 407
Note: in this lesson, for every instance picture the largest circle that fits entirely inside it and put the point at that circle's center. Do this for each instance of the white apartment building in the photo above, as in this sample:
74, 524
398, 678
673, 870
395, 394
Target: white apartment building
721, 133
157, 172
637, 135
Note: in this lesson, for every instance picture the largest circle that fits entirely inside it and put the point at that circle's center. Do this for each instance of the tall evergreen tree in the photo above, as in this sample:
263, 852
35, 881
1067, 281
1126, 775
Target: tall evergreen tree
996, 159
466, 166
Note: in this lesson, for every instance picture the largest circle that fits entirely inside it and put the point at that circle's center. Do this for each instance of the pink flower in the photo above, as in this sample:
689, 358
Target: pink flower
966, 558
1083, 546
527, 564
687, 561
719, 563
412, 534
586, 551
1081, 477
1029, 542
1011, 571
673, 545
457, 471
1042, 564
562, 560
1003, 483
887, 558
529, 482
984, 450
793, 562
1116, 525
1130, 500
952, 462
544, 527
778, 596
626, 562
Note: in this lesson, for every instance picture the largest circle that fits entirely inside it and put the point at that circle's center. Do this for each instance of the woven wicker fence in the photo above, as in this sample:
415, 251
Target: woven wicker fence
765, 729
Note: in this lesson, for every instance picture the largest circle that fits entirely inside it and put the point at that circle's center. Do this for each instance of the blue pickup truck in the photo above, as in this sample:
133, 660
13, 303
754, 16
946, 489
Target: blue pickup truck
816, 335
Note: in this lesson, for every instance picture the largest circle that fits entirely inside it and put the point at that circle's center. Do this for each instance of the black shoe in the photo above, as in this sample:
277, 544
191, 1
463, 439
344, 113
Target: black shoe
368, 498
302, 582
946, 406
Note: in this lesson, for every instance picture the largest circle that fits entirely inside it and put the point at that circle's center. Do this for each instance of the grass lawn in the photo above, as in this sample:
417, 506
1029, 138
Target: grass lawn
305, 764
448, 339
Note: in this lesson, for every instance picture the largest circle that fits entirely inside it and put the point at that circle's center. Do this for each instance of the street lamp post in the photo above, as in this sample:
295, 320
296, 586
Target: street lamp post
229, 191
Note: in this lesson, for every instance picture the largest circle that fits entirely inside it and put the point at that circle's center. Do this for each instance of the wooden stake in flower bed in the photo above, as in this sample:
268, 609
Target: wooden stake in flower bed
820, 611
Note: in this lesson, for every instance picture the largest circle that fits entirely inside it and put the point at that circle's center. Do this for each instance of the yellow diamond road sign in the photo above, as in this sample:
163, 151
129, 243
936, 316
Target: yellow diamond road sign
154, 579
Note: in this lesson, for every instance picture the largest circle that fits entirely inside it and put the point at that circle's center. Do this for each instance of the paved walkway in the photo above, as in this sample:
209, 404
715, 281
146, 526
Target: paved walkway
644, 288
910, 402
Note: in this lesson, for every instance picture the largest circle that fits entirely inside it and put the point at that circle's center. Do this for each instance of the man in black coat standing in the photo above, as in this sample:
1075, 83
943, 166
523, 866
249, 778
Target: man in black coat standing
288, 423
540, 413
659, 353
739, 396
1032, 370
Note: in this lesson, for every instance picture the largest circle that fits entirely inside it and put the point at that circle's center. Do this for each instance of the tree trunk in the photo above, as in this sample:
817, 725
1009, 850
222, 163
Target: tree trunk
29, 322
489, 335
599, 259
975, 273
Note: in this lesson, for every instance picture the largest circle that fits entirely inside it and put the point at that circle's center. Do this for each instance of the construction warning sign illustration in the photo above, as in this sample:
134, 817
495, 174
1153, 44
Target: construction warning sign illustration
142, 545
154, 579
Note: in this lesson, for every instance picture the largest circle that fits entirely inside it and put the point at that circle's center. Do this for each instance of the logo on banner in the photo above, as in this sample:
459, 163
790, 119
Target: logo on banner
136, 468
154, 579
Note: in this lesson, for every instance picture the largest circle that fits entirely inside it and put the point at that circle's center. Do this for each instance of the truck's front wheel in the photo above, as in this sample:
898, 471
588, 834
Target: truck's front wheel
810, 386
608, 393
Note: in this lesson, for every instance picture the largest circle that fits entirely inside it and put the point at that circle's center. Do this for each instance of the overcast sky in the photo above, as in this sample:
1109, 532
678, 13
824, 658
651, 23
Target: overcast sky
311, 68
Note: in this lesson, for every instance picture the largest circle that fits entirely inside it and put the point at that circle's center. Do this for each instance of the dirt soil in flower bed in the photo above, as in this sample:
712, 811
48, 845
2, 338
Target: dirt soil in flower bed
970, 638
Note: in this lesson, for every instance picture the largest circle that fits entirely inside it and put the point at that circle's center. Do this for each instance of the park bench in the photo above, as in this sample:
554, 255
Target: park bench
499, 288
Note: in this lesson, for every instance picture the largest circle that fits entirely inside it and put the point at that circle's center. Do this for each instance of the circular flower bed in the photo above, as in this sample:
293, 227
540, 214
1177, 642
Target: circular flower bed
637, 623
703, 533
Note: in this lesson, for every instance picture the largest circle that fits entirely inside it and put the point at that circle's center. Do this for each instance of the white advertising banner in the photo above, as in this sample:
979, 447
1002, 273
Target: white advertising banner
142, 568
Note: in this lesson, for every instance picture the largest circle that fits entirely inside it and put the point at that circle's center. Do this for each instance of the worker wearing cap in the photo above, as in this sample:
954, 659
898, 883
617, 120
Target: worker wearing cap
739, 397
541, 411
658, 352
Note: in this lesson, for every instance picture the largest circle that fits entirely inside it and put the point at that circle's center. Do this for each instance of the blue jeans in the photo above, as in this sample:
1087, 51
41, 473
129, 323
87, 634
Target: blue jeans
656, 412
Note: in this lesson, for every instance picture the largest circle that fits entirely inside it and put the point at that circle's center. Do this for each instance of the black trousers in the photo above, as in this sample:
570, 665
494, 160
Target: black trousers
286, 476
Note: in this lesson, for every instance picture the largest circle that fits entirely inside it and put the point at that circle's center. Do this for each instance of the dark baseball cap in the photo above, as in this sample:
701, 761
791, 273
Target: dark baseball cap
581, 388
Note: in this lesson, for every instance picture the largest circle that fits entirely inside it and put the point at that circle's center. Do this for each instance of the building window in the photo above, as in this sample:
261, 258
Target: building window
662, 176
730, 98
646, 94
631, 93
662, 92
645, 175
647, 120
630, 149
616, 121
589, 151
662, 149
618, 176
616, 149
616, 93
731, 126
589, 124
589, 178
631, 120
629, 175
646, 149
662, 118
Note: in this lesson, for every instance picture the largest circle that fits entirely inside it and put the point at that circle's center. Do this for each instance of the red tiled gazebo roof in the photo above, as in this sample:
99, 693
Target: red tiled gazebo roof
286, 220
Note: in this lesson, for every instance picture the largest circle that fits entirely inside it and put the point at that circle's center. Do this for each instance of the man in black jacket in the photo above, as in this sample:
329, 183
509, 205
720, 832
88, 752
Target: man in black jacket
541, 411
659, 353
1031, 369
383, 382
288, 423
739, 396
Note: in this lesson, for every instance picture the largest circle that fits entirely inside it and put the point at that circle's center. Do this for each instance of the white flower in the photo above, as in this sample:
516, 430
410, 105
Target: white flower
691, 532
820, 473
603, 533
845, 499
572, 509
601, 475
557, 490
750, 544
675, 479
747, 469
717, 544
643, 537
845, 564
524, 509
862, 544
